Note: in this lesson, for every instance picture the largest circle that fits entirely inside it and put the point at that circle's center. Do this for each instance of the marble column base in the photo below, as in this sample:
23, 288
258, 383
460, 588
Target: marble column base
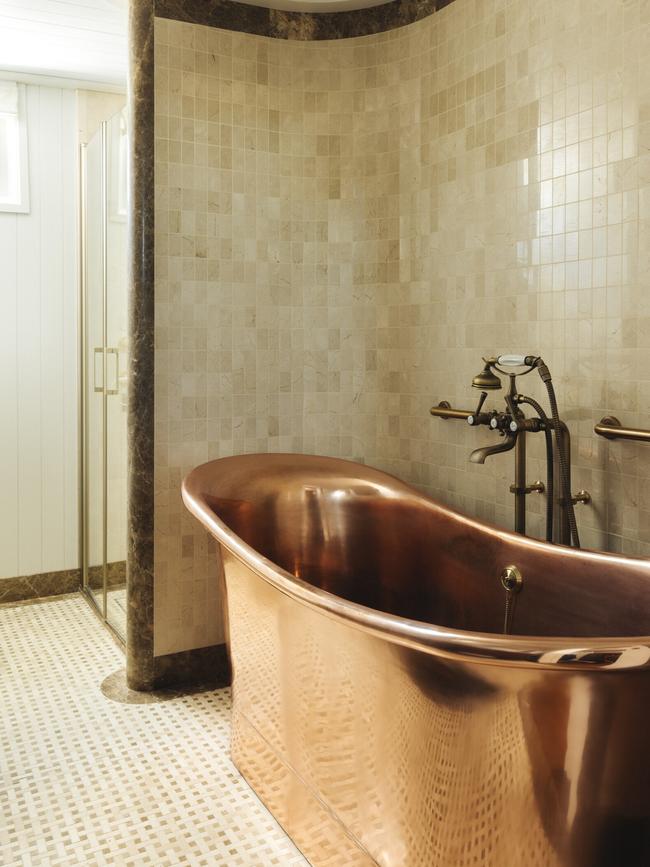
205, 665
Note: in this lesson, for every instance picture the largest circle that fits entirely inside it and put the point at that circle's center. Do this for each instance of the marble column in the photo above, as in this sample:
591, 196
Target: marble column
140, 659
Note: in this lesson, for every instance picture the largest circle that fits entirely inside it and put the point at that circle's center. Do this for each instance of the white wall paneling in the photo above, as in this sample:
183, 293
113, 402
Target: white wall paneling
39, 346
9, 392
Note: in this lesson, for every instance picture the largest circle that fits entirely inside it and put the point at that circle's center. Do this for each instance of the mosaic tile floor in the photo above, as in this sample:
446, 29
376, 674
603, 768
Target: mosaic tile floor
87, 781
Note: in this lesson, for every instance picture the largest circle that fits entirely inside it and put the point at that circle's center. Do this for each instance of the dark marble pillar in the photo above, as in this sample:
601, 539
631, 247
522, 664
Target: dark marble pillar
307, 26
139, 654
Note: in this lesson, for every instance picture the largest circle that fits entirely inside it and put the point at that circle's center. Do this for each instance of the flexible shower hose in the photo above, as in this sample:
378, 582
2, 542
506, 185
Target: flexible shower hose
548, 436
545, 374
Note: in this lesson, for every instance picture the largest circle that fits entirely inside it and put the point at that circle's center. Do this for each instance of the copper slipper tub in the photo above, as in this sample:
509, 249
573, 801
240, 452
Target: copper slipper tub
378, 710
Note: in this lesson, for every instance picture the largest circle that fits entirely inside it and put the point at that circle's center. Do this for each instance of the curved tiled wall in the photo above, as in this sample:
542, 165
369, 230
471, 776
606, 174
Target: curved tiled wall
344, 228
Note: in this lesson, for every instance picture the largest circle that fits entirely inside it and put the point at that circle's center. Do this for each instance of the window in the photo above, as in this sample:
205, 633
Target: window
14, 176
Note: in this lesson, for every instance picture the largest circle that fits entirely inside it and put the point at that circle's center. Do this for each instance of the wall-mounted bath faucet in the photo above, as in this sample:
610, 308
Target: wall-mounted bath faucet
513, 426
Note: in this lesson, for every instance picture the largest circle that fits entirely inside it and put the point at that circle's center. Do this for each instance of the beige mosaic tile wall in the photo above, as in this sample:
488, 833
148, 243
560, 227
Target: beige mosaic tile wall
247, 162
526, 230
344, 228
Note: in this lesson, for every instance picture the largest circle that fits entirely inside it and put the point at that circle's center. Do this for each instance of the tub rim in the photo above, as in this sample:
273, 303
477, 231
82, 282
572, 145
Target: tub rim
613, 654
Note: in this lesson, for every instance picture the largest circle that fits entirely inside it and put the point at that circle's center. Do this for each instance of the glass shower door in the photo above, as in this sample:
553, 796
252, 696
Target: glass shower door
93, 446
104, 305
116, 312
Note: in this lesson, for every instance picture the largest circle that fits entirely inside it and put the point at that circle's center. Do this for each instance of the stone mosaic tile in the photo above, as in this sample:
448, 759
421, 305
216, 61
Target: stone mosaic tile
84, 780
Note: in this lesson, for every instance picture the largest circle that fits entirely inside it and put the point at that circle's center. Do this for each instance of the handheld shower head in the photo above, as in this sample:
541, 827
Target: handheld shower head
517, 360
486, 380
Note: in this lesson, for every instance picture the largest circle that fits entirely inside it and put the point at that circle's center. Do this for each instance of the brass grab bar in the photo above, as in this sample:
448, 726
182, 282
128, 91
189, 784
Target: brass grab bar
444, 410
611, 428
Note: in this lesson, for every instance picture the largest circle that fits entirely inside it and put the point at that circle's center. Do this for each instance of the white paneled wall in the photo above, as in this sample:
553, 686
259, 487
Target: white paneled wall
39, 350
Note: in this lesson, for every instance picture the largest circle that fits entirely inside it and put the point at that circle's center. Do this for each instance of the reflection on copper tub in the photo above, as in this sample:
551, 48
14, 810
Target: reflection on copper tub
378, 709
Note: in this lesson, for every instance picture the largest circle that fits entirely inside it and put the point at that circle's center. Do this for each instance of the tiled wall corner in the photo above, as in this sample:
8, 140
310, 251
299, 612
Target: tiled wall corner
344, 228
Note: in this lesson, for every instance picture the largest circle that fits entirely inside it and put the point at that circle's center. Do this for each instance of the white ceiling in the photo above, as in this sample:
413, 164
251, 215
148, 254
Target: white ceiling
84, 40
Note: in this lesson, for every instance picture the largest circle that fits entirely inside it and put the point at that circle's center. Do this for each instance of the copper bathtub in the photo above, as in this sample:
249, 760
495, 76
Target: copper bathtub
379, 711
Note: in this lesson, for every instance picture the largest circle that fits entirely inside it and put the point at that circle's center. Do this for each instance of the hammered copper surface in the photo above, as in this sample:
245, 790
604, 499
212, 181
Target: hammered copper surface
376, 736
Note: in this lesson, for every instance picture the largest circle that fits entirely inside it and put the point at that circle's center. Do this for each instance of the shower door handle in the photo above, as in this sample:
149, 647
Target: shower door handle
98, 351
112, 350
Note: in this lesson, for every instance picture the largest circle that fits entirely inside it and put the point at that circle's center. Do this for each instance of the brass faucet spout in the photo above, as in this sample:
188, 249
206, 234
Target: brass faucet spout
478, 456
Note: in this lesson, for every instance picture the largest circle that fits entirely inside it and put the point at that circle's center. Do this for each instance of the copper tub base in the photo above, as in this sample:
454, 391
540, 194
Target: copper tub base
318, 834
378, 710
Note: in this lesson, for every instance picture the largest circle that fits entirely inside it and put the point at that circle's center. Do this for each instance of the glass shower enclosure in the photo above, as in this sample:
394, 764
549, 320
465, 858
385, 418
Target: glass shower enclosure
104, 361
